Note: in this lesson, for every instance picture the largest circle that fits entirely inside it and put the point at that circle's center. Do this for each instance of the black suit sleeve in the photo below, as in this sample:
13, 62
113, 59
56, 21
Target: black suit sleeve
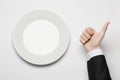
98, 69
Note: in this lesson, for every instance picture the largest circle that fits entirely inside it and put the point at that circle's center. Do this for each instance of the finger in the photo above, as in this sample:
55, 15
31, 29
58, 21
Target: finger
90, 31
104, 29
87, 35
83, 37
82, 41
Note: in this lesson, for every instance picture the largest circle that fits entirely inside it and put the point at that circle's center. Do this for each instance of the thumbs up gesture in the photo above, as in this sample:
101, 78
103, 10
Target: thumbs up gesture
91, 39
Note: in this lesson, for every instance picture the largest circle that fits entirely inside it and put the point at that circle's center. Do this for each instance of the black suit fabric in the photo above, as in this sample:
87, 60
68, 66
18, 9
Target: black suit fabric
98, 69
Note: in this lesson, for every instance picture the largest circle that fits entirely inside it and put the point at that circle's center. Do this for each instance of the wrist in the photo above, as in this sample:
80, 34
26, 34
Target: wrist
93, 48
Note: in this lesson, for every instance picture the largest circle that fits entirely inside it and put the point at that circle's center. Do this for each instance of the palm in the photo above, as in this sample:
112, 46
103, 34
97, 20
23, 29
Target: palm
95, 40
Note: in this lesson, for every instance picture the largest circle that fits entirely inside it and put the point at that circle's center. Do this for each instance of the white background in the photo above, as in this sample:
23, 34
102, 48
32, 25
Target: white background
77, 14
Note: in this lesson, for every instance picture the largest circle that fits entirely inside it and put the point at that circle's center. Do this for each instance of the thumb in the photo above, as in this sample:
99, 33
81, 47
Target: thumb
104, 28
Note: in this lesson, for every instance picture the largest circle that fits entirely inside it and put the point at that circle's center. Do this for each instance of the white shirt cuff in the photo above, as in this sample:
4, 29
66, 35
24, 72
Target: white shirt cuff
94, 53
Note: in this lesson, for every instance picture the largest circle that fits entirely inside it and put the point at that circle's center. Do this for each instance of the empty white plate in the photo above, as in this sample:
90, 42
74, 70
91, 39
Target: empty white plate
41, 37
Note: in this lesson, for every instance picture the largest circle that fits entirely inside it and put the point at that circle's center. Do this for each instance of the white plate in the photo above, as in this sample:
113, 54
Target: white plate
64, 36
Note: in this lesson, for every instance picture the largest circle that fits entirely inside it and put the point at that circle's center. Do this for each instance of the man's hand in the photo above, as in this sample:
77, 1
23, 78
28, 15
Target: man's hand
91, 39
